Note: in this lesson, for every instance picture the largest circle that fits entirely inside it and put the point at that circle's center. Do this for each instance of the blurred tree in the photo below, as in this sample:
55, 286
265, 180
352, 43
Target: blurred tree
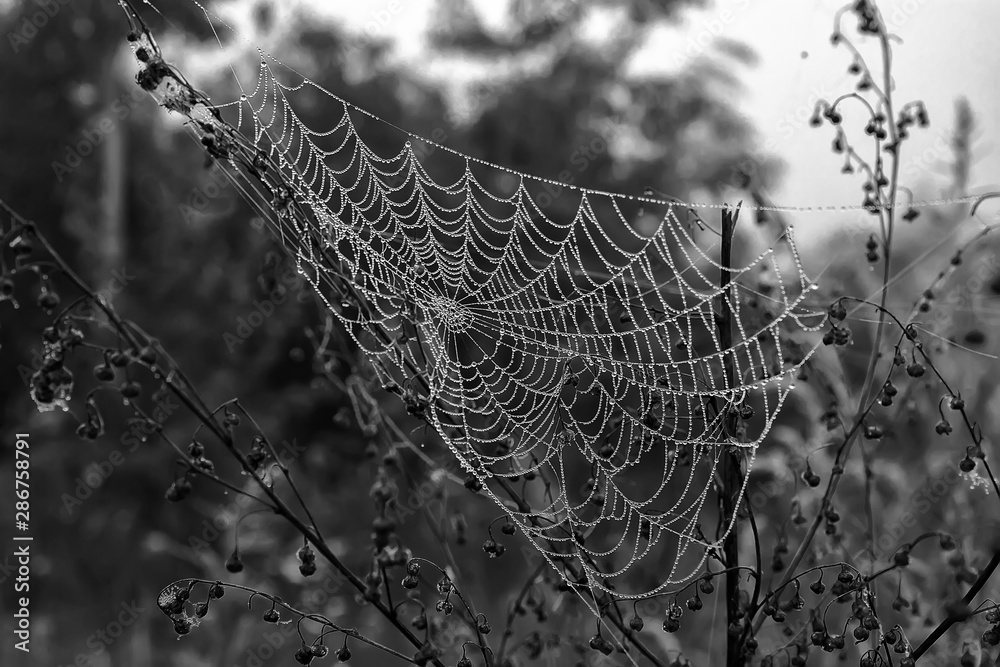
120, 189
128, 200
570, 107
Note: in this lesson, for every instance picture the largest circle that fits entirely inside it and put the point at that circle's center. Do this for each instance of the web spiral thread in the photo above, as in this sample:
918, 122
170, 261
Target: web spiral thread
566, 347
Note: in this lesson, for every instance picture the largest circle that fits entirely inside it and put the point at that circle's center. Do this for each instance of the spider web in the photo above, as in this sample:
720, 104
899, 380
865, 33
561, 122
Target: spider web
564, 342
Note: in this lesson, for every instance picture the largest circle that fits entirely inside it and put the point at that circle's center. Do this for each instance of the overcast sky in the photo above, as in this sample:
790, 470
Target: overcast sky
948, 50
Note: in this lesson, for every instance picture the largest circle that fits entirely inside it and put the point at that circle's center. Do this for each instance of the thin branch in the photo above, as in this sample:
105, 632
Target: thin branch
961, 611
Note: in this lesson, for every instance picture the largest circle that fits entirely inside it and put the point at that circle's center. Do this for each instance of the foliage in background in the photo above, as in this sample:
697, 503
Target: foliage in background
188, 264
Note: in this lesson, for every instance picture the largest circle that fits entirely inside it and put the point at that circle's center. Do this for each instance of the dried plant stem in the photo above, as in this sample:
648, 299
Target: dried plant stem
731, 469
962, 611
194, 403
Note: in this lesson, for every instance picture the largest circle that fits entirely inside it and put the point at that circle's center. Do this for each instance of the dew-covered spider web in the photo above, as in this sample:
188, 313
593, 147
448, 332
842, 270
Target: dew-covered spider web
566, 343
